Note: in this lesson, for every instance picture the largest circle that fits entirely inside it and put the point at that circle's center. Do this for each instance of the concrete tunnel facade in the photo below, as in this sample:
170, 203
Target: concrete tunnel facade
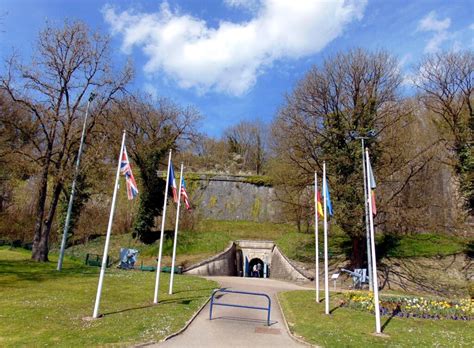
240, 256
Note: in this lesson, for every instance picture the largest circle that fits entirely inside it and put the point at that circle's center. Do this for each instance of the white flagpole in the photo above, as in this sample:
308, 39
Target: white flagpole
372, 242
367, 228
107, 238
316, 233
326, 277
175, 241
160, 252
73, 187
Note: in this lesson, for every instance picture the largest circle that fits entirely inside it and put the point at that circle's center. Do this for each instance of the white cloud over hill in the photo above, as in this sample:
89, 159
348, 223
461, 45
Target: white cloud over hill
229, 58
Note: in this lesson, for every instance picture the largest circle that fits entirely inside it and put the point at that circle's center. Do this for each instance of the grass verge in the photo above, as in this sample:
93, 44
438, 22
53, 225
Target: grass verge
351, 328
41, 306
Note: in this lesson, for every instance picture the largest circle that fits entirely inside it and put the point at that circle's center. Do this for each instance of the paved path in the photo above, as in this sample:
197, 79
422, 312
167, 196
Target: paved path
238, 327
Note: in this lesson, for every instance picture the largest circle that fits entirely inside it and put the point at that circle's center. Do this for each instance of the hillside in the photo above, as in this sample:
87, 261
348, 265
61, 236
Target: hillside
422, 263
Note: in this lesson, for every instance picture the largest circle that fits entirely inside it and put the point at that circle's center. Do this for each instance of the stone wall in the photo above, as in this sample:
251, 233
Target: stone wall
225, 197
281, 268
222, 264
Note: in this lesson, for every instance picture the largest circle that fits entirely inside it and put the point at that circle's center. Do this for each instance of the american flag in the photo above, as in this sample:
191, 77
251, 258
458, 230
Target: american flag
184, 194
126, 170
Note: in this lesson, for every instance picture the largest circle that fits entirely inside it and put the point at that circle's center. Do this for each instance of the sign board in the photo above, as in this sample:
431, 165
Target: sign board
335, 276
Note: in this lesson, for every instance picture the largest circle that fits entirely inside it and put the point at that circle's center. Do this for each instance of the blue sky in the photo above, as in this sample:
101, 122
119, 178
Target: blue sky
236, 59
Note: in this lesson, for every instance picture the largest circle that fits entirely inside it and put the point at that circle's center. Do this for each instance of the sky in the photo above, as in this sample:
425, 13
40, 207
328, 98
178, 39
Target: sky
236, 60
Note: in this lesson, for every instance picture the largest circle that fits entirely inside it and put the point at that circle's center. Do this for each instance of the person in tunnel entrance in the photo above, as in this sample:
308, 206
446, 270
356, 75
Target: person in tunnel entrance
256, 268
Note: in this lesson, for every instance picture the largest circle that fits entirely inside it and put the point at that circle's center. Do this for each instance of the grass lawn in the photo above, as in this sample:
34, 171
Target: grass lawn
424, 245
351, 328
212, 237
40, 306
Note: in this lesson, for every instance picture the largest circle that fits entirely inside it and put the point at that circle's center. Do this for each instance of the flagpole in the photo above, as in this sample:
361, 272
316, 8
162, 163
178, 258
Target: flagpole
73, 187
316, 233
175, 241
372, 241
109, 231
367, 228
326, 277
160, 252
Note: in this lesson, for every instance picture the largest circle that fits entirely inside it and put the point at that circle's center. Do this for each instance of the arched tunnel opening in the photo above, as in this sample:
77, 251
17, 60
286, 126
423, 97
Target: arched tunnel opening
252, 266
255, 268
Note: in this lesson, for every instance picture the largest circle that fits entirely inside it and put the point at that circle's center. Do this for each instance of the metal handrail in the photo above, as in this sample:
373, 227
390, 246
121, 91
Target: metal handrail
213, 303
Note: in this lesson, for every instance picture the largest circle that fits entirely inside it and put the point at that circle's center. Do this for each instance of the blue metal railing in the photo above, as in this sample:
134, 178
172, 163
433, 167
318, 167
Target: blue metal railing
213, 303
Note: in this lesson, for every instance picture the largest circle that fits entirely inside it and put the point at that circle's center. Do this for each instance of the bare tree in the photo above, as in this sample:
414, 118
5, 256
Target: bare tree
70, 63
247, 140
153, 128
446, 81
353, 91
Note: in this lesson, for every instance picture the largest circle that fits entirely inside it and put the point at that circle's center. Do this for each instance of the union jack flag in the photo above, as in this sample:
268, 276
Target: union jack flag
126, 170
184, 194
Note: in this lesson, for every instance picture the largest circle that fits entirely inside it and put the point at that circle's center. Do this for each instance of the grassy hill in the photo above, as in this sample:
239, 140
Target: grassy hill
211, 237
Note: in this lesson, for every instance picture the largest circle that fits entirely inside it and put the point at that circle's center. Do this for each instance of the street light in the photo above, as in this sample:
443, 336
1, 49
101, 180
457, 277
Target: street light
356, 136
73, 188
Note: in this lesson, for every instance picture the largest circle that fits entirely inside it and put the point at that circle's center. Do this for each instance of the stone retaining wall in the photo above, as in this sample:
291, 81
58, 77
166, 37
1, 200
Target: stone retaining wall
226, 197
281, 268
225, 263
222, 264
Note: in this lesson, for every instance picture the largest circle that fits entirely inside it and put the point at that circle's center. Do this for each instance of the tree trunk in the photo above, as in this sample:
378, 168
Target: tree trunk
43, 248
358, 252
42, 192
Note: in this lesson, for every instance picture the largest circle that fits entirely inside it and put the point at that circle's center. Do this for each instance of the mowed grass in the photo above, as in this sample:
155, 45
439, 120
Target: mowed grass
43, 307
426, 245
213, 236
351, 328
209, 238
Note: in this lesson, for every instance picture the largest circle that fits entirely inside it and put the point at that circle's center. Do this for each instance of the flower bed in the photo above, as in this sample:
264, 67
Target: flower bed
415, 307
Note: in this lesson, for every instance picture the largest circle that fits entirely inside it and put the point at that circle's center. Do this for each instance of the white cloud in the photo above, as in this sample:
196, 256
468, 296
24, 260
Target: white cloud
439, 27
431, 23
229, 58
434, 44
245, 4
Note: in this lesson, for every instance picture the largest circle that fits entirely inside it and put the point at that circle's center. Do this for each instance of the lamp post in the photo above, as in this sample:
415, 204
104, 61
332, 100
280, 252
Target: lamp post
355, 135
73, 188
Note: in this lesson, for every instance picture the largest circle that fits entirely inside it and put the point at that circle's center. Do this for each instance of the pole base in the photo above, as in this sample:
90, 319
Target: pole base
382, 335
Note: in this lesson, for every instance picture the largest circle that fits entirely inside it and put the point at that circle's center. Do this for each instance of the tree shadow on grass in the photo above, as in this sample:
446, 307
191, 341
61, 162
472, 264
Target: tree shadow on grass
335, 308
193, 290
26, 270
387, 246
470, 249
184, 301
389, 319
127, 310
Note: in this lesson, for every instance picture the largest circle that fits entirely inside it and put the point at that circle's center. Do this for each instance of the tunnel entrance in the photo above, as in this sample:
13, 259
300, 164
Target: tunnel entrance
240, 258
256, 268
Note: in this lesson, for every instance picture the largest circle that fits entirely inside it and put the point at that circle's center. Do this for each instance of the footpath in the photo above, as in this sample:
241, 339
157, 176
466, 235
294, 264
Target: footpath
239, 327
